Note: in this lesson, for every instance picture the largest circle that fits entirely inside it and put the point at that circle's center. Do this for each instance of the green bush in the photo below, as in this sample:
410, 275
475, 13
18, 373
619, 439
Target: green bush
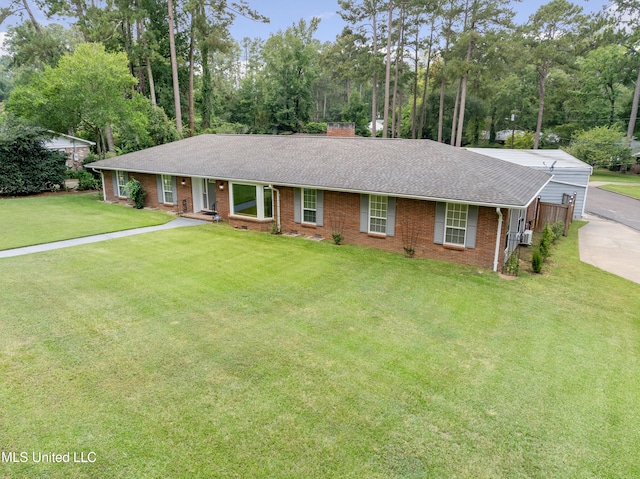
558, 229
512, 266
536, 262
136, 192
315, 128
545, 242
86, 181
26, 166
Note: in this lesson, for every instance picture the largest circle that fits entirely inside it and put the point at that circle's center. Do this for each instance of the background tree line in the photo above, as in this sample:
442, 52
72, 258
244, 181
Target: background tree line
132, 74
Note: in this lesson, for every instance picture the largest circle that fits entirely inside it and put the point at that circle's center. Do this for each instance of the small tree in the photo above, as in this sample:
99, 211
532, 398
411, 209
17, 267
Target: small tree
546, 241
26, 166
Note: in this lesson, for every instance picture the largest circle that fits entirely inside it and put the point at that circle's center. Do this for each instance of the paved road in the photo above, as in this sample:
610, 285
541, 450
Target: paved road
611, 240
615, 207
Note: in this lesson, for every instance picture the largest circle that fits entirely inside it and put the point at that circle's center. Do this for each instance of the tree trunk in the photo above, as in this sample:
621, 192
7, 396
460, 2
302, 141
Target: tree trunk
374, 86
455, 115
387, 78
152, 86
423, 107
399, 126
111, 146
192, 113
634, 109
443, 85
463, 94
542, 77
174, 68
416, 66
36, 25
395, 77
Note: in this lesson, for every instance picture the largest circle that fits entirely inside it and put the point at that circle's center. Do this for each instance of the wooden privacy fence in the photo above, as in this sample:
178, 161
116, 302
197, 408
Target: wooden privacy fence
552, 212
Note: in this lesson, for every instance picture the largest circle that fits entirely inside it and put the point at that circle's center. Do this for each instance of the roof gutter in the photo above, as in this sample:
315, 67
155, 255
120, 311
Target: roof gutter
498, 237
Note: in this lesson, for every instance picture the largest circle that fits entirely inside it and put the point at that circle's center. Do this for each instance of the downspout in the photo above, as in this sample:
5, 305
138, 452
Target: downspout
498, 237
278, 226
104, 190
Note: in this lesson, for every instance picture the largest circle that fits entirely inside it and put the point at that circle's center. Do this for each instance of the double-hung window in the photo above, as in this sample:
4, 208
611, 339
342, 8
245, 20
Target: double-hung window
456, 224
254, 201
309, 205
167, 189
121, 179
378, 206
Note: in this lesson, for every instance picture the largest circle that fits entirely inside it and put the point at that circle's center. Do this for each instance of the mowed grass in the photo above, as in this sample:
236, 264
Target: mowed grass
629, 190
614, 177
211, 352
43, 219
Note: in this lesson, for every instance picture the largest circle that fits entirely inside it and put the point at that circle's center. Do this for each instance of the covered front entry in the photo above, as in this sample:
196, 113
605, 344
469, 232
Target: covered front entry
204, 194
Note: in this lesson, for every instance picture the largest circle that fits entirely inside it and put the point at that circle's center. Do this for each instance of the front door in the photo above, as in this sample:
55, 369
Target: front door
208, 193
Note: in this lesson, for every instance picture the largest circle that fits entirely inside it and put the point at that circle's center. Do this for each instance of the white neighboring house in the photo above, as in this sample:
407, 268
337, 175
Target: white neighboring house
379, 125
570, 175
75, 148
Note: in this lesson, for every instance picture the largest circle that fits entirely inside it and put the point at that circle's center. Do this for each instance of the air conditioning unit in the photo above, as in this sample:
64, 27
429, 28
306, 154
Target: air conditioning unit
526, 238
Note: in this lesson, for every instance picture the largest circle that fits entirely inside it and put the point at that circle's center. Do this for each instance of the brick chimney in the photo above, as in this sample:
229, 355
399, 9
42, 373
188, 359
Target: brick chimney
345, 130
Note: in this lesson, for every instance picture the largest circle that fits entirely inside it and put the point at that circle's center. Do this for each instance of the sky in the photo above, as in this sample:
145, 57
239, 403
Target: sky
284, 13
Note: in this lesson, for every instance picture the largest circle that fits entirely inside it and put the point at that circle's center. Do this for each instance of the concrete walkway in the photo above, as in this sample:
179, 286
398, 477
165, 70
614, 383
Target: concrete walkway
177, 223
611, 246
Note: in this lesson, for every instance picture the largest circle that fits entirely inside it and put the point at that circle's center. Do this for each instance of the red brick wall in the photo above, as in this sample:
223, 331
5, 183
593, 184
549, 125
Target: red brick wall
150, 185
81, 151
345, 130
414, 222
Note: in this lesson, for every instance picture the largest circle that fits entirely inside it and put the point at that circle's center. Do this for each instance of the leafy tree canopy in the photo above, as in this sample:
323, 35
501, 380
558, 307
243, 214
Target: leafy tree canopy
601, 146
87, 90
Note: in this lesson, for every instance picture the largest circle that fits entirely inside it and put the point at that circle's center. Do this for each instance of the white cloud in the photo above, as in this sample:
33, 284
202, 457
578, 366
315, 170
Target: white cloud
325, 15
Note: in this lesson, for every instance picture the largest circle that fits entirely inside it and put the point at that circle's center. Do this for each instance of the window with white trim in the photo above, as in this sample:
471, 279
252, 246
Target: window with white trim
254, 201
456, 224
167, 189
121, 179
309, 205
378, 206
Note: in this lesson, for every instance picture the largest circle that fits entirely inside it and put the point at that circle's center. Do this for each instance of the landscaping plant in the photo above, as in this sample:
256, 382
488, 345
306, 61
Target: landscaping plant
136, 192
536, 262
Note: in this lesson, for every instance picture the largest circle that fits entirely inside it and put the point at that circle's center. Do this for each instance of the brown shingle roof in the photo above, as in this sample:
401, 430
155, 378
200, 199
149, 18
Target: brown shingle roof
411, 168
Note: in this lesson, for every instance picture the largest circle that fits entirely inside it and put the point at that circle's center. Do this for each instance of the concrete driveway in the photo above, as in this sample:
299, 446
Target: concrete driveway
611, 240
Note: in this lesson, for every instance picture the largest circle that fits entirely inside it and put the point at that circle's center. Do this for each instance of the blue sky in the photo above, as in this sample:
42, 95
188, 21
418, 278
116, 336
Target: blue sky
283, 13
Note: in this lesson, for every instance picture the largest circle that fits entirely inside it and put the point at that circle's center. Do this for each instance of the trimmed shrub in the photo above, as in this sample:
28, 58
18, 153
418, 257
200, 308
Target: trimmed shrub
536, 262
545, 242
86, 181
558, 230
315, 128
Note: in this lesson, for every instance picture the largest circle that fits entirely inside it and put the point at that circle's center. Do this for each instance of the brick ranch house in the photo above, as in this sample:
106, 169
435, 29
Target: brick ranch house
442, 202
76, 149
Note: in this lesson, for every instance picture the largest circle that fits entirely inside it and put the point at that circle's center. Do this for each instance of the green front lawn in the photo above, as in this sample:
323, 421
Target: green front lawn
212, 352
630, 190
42, 219
614, 177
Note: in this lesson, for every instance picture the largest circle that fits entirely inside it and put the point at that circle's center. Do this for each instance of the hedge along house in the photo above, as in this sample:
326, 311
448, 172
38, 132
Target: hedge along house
432, 199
